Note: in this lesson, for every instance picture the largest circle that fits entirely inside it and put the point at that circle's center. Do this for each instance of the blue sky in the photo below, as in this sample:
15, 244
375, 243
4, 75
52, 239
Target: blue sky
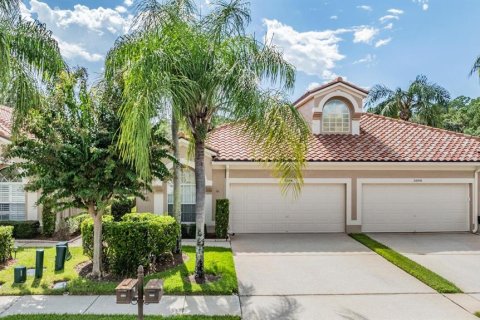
366, 42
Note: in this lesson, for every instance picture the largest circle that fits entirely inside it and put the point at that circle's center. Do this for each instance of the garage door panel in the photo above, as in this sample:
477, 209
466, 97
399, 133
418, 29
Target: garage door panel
415, 208
258, 208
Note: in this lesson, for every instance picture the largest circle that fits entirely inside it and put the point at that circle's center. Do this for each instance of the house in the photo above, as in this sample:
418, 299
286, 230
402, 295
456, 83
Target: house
365, 173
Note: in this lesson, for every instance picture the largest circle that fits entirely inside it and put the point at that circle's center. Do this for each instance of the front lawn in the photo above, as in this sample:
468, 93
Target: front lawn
110, 317
218, 261
423, 274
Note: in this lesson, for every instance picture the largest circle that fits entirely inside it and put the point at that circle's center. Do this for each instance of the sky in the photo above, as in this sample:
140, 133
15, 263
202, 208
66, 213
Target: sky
367, 42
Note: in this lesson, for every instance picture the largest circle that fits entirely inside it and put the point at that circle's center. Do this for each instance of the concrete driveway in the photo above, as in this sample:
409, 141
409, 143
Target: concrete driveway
328, 276
455, 256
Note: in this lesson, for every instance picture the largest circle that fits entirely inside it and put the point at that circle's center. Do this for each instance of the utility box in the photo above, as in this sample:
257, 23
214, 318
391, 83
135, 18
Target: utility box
39, 263
68, 255
153, 291
61, 252
126, 291
19, 274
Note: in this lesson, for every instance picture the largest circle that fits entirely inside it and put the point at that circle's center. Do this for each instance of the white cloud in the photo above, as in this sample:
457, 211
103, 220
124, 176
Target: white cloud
334, 17
423, 3
367, 59
72, 50
388, 17
365, 7
128, 3
395, 11
382, 42
388, 26
364, 34
311, 52
120, 9
312, 85
84, 34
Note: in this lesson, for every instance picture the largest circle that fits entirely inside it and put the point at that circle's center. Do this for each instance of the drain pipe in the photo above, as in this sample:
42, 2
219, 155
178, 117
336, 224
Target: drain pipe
475, 202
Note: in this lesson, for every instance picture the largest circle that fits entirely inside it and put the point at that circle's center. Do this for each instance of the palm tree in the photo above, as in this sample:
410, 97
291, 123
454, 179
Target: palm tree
476, 67
423, 101
29, 60
207, 68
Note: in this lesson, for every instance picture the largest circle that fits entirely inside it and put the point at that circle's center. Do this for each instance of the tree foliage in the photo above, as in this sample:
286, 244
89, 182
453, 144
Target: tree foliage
423, 102
463, 116
69, 149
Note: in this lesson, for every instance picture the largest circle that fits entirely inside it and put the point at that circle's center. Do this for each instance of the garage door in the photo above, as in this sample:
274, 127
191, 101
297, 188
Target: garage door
415, 208
261, 208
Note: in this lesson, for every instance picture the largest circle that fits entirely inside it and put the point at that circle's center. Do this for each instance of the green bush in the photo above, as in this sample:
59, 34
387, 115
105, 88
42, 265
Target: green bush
74, 223
121, 207
138, 239
6, 243
49, 219
222, 214
23, 229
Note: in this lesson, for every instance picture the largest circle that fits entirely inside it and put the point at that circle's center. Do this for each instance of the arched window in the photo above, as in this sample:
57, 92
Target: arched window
187, 191
12, 198
336, 117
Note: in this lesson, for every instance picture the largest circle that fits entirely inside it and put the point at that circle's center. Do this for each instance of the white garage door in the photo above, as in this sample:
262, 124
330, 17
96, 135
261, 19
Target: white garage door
415, 208
261, 208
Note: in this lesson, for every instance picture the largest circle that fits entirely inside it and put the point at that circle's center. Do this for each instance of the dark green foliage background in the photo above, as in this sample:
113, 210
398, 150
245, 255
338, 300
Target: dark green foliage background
222, 214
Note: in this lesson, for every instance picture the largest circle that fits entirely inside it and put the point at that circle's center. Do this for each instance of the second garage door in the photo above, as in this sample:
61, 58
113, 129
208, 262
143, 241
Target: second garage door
415, 208
261, 208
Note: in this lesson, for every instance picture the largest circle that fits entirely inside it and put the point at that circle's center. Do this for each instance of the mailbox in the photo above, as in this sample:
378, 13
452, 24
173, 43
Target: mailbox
153, 291
127, 291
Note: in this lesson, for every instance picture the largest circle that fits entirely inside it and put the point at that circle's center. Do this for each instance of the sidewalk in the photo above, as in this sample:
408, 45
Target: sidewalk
169, 305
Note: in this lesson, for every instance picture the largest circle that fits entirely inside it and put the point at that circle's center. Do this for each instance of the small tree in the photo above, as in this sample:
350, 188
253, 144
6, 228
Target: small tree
69, 152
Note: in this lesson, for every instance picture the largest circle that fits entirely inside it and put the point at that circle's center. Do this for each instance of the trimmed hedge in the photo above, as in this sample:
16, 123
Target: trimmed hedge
74, 223
23, 229
6, 243
49, 219
121, 208
138, 239
222, 214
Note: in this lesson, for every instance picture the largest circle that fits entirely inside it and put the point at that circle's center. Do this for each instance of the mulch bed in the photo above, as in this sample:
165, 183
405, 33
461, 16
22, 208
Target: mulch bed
167, 262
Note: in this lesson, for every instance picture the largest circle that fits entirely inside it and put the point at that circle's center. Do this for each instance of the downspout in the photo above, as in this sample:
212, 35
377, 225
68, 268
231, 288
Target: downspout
475, 202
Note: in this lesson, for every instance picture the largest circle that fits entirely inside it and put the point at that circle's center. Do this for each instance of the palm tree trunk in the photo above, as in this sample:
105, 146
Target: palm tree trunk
405, 114
97, 241
177, 205
200, 206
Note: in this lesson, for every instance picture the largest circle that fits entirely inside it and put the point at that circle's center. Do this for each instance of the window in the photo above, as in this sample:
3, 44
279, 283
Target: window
187, 191
335, 117
12, 199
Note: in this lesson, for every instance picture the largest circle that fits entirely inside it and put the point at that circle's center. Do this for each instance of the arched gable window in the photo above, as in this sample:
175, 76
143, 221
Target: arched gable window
336, 117
12, 198
187, 191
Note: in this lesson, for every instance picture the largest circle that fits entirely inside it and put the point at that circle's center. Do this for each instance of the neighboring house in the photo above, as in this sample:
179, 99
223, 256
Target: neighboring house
365, 173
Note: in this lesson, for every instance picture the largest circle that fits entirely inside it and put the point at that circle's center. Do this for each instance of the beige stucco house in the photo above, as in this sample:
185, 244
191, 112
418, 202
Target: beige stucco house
364, 173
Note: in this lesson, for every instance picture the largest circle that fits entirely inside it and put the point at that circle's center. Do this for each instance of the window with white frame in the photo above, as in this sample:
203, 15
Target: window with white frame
187, 191
12, 199
335, 117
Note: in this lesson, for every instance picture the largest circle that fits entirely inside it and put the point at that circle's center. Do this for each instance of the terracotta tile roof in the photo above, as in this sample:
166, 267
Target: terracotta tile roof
6, 116
381, 139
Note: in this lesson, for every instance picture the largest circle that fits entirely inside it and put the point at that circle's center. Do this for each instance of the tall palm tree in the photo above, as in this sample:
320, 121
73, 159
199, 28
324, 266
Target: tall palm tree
423, 101
207, 67
29, 60
476, 67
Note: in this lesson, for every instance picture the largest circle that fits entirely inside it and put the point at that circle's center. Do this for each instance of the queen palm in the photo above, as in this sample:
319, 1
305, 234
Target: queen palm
29, 60
207, 68
422, 102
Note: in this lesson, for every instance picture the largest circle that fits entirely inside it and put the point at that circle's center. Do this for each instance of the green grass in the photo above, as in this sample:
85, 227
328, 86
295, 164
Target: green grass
111, 317
218, 261
477, 314
423, 274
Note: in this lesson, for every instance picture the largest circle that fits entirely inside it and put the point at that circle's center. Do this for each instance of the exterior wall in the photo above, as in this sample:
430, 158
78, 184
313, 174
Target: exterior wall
218, 190
146, 205
354, 175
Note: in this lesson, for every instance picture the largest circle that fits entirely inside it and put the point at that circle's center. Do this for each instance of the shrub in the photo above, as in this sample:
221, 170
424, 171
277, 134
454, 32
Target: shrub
138, 239
23, 229
6, 243
222, 214
121, 207
74, 223
49, 219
